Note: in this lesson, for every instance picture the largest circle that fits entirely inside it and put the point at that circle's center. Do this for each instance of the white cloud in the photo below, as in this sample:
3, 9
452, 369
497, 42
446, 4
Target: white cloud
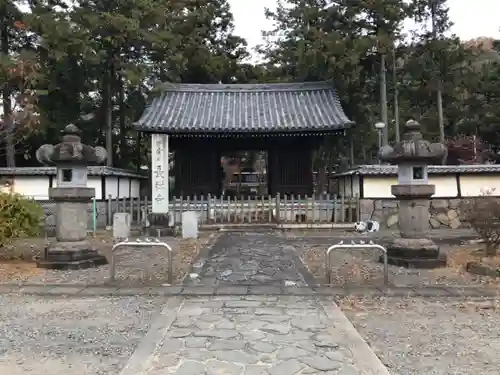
472, 19
475, 18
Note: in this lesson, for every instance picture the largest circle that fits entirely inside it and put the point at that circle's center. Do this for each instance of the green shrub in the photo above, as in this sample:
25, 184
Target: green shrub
19, 217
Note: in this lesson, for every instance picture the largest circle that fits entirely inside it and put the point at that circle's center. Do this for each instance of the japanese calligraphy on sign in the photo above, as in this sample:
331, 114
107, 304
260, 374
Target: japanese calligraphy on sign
159, 172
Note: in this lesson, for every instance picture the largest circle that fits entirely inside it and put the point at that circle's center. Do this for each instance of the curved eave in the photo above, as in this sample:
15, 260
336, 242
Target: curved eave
245, 109
247, 133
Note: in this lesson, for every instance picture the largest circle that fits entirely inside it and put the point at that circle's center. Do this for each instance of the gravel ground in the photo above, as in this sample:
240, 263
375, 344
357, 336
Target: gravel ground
361, 268
60, 336
428, 336
134, 266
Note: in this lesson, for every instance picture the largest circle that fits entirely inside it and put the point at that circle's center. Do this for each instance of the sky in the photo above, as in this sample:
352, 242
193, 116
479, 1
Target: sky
471, 19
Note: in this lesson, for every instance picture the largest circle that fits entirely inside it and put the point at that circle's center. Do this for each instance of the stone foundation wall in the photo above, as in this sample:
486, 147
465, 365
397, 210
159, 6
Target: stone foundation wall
444, 213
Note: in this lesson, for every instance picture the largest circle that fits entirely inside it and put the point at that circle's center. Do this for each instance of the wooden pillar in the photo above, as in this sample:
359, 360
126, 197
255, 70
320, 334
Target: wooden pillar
272, 169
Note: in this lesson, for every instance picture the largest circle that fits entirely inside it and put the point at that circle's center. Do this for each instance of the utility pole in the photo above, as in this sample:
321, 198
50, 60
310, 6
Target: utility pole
438, 77
383, 100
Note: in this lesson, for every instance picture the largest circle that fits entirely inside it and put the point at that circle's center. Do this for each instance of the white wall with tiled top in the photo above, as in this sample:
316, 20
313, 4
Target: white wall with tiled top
447, 186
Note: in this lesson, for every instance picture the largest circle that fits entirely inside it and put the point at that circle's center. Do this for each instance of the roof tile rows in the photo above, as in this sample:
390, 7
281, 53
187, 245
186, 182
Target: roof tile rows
380, 170
249, 108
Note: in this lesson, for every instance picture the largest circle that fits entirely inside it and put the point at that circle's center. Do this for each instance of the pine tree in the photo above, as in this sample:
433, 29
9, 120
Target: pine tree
435, 12
339, 40
205, 49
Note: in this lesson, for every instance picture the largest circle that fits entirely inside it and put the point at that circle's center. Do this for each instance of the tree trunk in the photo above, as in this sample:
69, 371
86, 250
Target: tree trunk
123, 129
9, 126
108, 108
10, 148
383, 100
440, 111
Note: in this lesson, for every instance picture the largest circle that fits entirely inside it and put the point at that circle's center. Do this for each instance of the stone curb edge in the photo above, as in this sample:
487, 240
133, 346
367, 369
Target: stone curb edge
200, 290
367, 361
144, 353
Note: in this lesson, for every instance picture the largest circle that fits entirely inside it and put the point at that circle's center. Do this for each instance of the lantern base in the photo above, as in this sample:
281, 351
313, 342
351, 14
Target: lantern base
71, 256
414, 253
159, 225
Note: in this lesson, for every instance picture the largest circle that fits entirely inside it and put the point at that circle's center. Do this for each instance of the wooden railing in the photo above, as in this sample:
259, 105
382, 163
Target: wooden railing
264, 209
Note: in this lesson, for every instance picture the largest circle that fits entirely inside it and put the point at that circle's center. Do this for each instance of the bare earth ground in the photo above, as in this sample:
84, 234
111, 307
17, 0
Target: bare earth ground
134, 265
360, 267
78, 336
429, 336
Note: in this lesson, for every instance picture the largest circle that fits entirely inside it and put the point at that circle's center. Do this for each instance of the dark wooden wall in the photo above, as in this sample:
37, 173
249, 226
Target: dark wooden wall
198, 171
290, 171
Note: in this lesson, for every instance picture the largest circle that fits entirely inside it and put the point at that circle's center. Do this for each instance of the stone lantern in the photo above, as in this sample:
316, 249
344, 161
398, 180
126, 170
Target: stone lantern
413, 155
71, 250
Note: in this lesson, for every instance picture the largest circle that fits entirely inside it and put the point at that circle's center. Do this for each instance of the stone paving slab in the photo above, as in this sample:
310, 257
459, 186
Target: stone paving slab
259, 335
250, 259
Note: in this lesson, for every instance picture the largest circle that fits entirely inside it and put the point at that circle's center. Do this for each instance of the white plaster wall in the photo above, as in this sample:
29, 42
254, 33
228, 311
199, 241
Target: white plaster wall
135, 191
36, 187
111, 186
95, 182
446, 186
124, 187
92, 182
476, 184
380, 186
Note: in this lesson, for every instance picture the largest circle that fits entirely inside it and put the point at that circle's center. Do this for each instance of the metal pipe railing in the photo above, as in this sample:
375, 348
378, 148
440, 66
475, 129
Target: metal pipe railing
147, 242
355, 246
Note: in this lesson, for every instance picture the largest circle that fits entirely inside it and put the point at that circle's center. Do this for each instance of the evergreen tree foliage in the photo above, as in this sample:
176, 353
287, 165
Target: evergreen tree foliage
97, 63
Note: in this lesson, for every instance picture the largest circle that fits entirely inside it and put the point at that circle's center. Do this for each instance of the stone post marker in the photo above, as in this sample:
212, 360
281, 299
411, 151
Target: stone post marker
71, 250
413, 155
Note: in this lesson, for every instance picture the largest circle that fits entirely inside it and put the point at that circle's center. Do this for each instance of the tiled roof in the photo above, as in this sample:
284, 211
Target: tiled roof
51, 171
248, 108
374, 170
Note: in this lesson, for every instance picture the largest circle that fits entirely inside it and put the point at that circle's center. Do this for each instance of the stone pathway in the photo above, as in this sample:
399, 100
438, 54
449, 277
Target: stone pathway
252, 334
259, 259
261, 335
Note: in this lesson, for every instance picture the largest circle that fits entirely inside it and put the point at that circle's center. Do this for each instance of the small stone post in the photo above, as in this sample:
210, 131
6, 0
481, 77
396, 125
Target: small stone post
413, 155
71, 250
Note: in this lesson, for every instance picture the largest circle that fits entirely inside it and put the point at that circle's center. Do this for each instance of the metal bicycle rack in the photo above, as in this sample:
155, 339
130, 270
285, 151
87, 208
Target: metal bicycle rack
354, 246
147, 242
